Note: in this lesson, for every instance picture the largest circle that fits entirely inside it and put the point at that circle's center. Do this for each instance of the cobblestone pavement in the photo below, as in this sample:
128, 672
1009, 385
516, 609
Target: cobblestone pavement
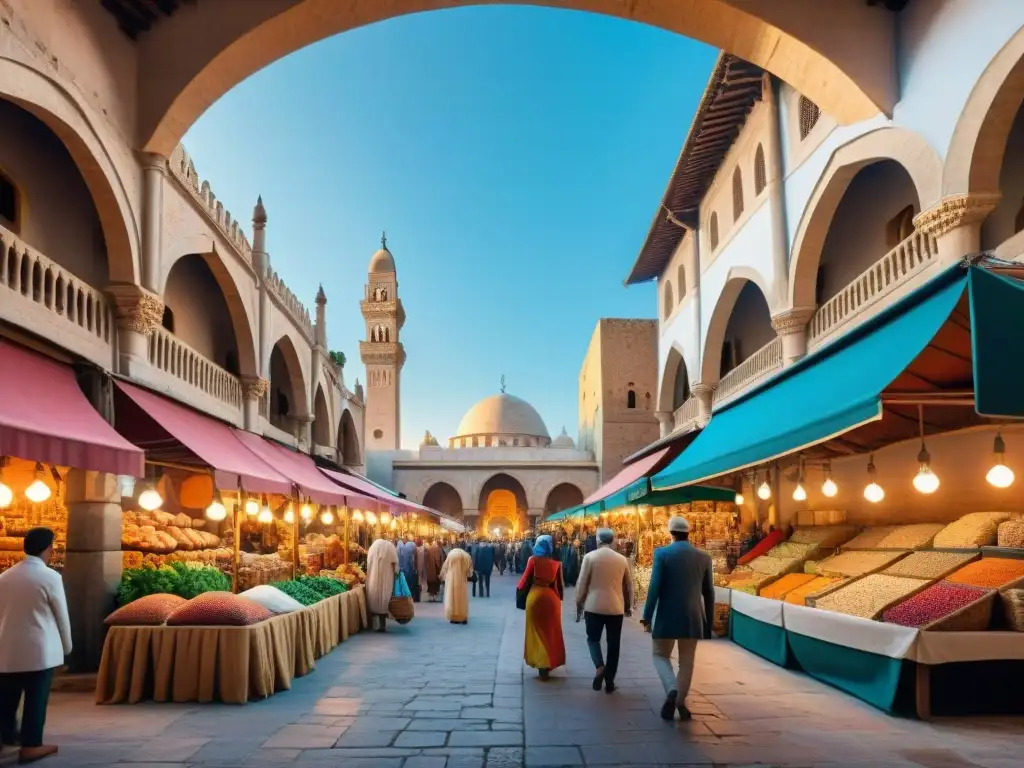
434, 695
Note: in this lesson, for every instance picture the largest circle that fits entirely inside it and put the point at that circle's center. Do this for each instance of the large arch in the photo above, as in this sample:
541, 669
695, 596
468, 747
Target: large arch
913, 153
348, 441
322, 432
974, 159
669, 391
203, 247
738, 279
496, 496
562, 496
288, 398
444, 498
62, 113
851, 77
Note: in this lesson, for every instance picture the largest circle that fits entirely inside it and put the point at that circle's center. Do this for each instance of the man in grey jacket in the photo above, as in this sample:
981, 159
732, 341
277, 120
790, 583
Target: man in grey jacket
681, 580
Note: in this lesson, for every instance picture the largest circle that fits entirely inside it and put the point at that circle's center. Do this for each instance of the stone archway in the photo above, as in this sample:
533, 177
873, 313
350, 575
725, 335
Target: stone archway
794, 42
739, 280
288, 400
444, 498
562, 496
503, 496
321, 420
348, 442
675, 381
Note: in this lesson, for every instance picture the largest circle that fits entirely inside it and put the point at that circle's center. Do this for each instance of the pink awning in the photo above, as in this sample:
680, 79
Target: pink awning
628, 474
367, 488
300, 469
44, 416
173, 433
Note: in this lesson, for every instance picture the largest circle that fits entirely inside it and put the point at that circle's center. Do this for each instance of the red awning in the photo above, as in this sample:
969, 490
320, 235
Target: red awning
628, 474
362, 485
300, 469
44, 416
173, 433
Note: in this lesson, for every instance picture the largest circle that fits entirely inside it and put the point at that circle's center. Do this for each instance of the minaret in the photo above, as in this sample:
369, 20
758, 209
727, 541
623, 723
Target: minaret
382, 353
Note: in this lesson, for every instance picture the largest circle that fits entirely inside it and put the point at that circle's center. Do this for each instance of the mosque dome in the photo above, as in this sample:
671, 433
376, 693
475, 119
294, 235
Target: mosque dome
382, 261
503, 419
563, 441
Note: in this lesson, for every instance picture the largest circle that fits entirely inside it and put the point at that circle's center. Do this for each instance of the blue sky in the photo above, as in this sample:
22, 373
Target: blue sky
515, 156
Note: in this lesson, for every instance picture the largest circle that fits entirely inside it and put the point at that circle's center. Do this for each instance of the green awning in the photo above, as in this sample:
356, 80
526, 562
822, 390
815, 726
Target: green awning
640, 492
997, 318
835, 389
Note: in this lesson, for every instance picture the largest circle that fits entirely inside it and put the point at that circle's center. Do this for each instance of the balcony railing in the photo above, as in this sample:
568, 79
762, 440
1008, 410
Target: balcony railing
910, 257
762, 363
42, 281
686, 414
170, 354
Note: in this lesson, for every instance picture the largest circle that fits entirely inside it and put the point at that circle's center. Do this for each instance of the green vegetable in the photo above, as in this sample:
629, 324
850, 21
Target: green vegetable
195, 580
182, 579
300, 592
323, 585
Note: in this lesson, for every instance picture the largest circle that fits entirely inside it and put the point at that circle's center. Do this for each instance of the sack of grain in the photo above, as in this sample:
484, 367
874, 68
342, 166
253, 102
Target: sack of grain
1011, 533
978, 529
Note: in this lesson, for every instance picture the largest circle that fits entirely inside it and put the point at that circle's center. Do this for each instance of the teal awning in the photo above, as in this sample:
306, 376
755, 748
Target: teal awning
839, 387
997, 319
640, 492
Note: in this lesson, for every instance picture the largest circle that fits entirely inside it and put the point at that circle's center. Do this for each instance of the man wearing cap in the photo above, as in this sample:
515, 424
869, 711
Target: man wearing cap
681, 579
604, 593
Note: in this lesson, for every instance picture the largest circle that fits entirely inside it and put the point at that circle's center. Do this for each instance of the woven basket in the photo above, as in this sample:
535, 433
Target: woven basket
401, 609
973, 617
1013, 608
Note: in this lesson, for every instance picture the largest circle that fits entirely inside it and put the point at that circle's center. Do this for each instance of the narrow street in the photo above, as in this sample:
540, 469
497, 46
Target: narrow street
434, 695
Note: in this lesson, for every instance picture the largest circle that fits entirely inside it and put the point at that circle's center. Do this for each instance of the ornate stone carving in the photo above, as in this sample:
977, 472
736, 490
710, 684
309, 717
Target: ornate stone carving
137, 309
254, 387
955, 211
792, 321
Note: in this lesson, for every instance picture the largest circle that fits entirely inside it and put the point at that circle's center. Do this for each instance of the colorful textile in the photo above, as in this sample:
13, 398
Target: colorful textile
544, 646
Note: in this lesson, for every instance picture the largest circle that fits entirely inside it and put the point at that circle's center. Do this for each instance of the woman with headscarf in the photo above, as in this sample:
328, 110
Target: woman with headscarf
455, 575
407, 563
381, 569
544, 647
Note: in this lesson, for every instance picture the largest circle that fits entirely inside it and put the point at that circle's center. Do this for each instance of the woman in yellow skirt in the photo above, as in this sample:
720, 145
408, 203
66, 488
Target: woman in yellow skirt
544, 648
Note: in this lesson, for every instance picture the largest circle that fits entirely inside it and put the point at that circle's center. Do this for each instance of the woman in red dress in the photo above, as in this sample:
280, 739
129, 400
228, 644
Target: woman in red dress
544, 648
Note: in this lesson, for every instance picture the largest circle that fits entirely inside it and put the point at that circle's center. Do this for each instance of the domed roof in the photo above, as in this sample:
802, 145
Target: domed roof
563, 441
502, 415
382, 260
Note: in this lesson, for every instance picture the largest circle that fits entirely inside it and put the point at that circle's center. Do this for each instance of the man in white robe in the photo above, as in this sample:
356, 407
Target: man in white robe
381, 569
455, 575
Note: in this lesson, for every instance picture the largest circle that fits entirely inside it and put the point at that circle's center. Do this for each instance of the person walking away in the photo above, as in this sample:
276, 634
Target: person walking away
544, 646
407, 564
525, 553
681, 578
421, 568
604, 594
499, 557
455, 575
381, 569
35, 636
433, 559
483, 564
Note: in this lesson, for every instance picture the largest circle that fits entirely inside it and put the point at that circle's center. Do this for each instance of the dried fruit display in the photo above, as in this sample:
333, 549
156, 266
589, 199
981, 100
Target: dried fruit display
978, 529
817, 584
824, 536
792, 550
929, 565
869, 596
771, 566
1011, 533
870, 538
786, 584
856, 563
932, 604
915, 536
991, 572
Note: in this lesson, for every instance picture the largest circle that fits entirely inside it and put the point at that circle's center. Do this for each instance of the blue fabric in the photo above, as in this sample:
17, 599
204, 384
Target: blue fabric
402, 586
483, 558
680, 578
826, 394
766, 640
997, 316
870, 677
544, 546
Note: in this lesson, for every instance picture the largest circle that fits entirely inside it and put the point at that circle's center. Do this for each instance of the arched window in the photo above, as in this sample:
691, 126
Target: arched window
680, 386
737, 194
168, 320
8, 204
681, 282
667, 296
760, 173
631, 399
713, 230
809, 114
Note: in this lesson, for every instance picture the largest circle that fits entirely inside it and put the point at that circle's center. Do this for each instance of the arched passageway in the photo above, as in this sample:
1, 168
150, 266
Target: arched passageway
502, 496
348, 442
741, 325
287, 386
444, 498
321, 419
562, 496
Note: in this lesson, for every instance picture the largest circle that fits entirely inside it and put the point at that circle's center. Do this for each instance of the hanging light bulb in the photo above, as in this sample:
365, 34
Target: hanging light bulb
306, 513
764, 491
800, 493
371, 518
39, 491
357, 516
216, 511
1001, 476
265, 515
829, 487
6, 494
873, 491
252, 507
385, 517
326, 517
739, 499
149, 499
394, 524
289, 515
925, 481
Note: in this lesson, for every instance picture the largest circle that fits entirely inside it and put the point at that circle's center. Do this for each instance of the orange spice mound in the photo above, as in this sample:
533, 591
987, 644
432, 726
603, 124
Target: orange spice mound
990, 572
818, 583
786, 584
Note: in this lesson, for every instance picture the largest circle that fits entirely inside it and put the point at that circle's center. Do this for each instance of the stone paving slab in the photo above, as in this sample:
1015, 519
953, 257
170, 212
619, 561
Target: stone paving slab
431, 695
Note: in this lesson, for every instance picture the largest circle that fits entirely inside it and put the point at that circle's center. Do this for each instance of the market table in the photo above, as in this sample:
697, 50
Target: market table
756, 624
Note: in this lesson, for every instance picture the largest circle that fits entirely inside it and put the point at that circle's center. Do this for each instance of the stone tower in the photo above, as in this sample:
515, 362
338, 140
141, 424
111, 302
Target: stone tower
382, 353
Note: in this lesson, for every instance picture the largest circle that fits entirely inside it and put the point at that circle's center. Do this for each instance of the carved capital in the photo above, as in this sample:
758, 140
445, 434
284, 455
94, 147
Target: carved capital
700, 390
254, 387
792, 321
953, 212
138, 310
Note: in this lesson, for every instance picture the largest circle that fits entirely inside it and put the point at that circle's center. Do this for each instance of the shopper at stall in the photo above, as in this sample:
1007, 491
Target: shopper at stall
681, 578
483, 564
455, 575
544, 646
381, 569
604, 595
407, 563
433, 560
35, 636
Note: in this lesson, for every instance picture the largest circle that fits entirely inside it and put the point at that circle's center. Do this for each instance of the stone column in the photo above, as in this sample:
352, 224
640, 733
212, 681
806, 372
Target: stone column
139, 313
665, 424
791, 326
776, 177
304, 429
253, 390
154, 170
92, 564
955, 222
705, 394
261, 263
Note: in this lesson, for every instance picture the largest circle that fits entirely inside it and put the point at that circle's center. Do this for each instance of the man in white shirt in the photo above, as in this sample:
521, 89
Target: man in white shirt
35, 636
604, 593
